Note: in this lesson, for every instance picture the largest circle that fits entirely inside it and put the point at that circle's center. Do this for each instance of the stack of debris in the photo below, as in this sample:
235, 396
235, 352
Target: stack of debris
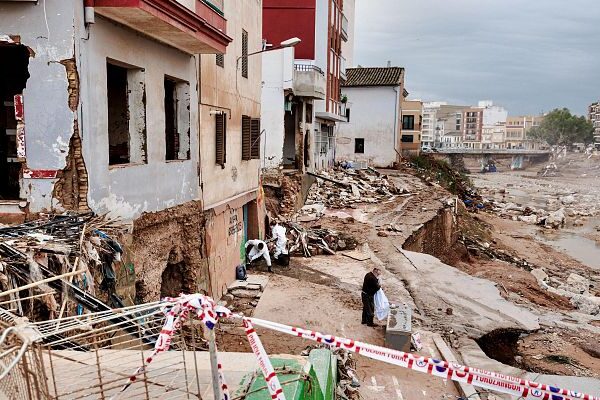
576, 289
316, 240
549, 170
56, 259
480, 248
346, 188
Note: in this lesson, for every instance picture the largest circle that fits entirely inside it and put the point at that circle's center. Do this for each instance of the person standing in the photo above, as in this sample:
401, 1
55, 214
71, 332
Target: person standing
280, 238
370, 287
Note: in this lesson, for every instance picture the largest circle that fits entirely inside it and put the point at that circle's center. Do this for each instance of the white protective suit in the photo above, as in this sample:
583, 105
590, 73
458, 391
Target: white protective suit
254, 253
280, 240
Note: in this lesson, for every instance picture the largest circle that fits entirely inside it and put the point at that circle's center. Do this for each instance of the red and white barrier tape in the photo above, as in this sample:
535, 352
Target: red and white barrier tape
473, 376
206, 310
263, 361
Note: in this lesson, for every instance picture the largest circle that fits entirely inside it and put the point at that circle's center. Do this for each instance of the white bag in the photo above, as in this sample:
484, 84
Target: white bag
382, 305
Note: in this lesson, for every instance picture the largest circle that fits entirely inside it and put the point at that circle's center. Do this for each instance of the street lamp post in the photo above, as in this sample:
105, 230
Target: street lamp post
286, 43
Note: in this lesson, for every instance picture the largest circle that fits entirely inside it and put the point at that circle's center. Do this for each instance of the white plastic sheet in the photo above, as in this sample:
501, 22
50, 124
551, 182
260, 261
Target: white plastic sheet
382, 305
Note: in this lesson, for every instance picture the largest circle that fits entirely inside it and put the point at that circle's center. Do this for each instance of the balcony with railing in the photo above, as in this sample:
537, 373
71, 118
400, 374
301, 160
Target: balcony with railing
192, 26
309, 81
345, 24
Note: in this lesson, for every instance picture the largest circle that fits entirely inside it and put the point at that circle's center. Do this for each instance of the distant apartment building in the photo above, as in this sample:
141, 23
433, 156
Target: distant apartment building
373, 133
516, 131
472, 127
429, 135
449, 126
594, 117
144, 110
412, 122
323, 28
493, 136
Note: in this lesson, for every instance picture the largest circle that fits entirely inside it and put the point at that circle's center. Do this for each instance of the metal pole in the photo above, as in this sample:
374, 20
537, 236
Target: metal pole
214, 368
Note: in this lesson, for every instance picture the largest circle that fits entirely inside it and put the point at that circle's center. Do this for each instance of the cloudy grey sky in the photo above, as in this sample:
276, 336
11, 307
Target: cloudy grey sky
527, 55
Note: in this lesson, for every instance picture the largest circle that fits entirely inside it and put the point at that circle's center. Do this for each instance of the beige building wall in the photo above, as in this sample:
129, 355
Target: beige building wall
411, 138
231, 196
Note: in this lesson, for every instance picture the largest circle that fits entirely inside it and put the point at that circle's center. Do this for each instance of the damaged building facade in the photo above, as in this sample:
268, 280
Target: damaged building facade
302, 103
135, 110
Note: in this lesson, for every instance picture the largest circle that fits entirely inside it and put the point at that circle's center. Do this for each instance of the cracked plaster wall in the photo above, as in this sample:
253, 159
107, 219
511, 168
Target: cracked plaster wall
48, 29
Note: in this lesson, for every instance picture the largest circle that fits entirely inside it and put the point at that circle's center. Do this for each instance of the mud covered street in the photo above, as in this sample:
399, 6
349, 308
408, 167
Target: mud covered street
485, 302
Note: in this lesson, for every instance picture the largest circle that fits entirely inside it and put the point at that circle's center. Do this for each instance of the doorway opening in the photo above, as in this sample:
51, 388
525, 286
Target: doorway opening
13, 79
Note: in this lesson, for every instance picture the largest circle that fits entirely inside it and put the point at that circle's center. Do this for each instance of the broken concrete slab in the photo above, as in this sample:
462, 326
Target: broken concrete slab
448, 355
477, 304
253, 282
474, 357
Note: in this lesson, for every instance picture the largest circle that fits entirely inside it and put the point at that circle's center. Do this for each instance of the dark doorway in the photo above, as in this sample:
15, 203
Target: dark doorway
13, 78
307, 149
172, 280
289, 141
171, 136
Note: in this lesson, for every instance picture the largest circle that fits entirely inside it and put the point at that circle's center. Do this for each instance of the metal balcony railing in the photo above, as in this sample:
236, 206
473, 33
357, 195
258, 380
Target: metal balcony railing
308, 68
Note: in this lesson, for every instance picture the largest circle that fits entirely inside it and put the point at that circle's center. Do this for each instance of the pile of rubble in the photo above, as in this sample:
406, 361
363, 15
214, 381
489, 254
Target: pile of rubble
554, 215
346, 188
576, 289
550, 170
77, 248
308, 242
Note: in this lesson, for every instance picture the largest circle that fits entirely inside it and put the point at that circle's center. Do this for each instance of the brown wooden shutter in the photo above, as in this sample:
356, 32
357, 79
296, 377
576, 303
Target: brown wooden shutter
255, 138
221, 139
246, 138
220, 60
244, 54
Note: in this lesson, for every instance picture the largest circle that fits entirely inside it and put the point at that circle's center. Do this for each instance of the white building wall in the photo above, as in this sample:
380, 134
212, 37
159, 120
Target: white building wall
348, 46
373, 117
128, 190
278, 75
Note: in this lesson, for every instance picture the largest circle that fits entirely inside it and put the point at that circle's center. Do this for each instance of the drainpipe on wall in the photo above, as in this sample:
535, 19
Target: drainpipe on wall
396, 89
89, 16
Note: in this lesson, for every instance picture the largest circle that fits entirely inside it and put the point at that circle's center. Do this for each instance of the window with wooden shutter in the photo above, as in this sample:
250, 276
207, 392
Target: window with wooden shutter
255, 138
246, 137
244, 53
220, 60
221, 139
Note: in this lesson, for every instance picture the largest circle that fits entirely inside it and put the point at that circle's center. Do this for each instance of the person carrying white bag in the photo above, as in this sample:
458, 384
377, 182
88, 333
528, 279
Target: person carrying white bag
369, 289
382, 305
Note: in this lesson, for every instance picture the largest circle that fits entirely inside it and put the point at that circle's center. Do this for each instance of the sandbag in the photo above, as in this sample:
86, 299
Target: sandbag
382, 305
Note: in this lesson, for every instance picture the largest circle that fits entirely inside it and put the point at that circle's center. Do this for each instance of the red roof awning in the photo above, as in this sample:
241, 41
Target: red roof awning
199, 31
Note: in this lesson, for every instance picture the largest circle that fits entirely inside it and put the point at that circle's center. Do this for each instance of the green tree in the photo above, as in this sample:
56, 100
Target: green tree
560, 127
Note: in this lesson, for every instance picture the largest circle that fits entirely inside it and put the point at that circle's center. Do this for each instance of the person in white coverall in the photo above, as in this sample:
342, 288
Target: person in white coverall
280, 239
256, 249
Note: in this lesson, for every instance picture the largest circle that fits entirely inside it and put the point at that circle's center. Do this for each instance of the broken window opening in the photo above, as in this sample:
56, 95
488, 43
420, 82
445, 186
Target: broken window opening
177, 120
126, 99
359, 145
13, 78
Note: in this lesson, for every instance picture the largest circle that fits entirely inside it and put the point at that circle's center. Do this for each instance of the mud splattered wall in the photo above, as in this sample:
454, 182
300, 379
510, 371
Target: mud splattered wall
50, 36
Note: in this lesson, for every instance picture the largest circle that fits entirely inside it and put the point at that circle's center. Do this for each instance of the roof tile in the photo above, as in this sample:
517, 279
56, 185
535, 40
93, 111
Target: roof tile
374, 76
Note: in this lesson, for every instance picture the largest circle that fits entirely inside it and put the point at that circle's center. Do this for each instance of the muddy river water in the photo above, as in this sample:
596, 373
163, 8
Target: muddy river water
521, 189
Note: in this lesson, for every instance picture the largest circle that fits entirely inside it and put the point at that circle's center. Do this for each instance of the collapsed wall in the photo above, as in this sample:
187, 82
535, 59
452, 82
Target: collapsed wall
436, 237
168, 252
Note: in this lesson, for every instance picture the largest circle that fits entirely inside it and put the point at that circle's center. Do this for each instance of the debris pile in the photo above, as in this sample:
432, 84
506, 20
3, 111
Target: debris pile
549, 170
576, 288
346, 188
79, 249
308, 242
